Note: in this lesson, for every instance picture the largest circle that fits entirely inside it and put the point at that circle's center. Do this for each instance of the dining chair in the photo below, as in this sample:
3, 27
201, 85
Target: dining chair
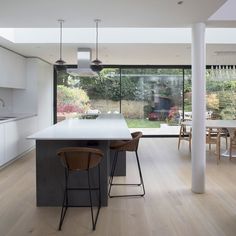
232, 144
213, 137
128, 146
185, 133
75, 159
224, 131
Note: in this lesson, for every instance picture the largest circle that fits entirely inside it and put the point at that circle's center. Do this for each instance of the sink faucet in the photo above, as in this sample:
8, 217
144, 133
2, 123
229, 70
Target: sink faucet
3, 103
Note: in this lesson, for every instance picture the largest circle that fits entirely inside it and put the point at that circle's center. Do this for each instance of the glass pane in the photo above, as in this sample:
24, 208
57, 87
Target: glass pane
151, 100
221, 93
187, 94
86, 97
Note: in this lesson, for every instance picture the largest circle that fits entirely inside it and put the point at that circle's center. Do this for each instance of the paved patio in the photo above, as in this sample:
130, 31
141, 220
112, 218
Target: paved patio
164, 129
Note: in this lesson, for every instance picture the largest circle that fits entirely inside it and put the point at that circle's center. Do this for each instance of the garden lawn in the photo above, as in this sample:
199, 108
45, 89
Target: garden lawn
143, 123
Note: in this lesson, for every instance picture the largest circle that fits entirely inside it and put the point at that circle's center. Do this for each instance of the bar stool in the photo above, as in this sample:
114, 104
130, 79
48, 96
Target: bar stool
128, 146
76, 159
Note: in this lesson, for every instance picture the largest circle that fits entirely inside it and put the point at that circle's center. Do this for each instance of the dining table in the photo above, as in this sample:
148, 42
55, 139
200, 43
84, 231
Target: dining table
230, 125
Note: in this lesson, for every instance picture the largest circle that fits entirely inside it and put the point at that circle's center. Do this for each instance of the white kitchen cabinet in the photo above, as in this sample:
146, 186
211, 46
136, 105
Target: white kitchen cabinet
26, 127
12, 70
11, 140
2, 144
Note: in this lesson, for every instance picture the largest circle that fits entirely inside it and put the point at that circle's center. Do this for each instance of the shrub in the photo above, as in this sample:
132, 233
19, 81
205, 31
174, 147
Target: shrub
72, 100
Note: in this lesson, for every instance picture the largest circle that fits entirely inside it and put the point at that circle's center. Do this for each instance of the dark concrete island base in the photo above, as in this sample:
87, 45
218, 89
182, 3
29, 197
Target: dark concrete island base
50, 173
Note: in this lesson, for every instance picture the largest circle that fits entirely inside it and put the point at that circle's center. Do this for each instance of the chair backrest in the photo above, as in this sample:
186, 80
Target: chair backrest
132, 145
80, 158
212, 135
233, 137
185, 130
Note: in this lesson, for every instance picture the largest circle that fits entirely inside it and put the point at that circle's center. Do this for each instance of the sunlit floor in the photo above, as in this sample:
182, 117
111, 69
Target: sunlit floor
168, 208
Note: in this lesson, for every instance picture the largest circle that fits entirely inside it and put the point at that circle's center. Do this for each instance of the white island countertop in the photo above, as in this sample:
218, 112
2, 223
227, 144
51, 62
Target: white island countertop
105, 127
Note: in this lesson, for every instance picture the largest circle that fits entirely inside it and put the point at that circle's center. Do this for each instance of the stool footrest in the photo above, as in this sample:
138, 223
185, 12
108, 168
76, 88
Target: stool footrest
127, 184
129, 195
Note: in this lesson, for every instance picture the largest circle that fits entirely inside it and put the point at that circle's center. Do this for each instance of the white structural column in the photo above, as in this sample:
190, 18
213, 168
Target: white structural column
198, 108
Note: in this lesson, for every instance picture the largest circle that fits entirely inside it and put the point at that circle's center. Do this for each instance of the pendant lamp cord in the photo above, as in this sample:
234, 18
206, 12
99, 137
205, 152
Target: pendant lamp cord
97, 21
61, 21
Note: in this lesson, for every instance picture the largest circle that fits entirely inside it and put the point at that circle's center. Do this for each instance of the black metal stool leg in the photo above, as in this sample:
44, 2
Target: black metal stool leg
90, 198
64, 202
140, 176
94, 221
112, 172
99, 198
140, 173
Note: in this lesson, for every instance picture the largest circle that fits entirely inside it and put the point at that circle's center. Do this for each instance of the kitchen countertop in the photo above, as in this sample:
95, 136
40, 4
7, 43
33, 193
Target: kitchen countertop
15, 116
104, 127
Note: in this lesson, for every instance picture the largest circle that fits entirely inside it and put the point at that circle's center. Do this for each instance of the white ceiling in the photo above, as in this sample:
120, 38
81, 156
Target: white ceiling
122, 13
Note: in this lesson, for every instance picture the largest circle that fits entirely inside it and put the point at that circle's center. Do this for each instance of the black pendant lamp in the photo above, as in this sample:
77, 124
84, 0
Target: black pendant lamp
60, 62
96, 64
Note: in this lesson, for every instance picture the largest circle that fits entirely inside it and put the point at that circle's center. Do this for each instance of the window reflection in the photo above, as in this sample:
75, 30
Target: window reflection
152, 100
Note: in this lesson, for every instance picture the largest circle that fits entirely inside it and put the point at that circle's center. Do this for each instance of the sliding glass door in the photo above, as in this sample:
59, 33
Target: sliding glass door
87, 97
151, 99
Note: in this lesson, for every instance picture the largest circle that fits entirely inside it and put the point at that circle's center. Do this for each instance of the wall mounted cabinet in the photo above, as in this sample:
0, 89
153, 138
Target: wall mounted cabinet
12, 70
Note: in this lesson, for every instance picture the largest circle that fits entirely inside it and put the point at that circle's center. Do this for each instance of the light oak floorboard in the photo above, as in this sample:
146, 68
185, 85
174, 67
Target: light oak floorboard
168, 208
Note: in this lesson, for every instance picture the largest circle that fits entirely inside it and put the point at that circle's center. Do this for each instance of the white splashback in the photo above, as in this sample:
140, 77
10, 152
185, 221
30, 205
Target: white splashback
6, 95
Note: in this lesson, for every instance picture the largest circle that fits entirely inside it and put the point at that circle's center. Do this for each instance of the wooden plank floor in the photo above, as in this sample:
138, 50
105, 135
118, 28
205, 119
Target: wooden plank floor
168, 208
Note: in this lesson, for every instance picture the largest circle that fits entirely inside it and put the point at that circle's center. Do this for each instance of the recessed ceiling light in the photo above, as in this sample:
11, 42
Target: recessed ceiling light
180, 2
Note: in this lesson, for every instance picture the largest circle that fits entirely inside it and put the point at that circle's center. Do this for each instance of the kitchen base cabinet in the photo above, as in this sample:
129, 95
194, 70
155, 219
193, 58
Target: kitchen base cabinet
26, 127
2, 149
13, 136
11, 139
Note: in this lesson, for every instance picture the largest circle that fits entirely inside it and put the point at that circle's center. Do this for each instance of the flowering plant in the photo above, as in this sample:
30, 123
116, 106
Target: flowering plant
173, 115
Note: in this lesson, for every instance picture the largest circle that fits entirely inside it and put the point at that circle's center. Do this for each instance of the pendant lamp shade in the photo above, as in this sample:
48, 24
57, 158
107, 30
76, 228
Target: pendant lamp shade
96, 64
60, 62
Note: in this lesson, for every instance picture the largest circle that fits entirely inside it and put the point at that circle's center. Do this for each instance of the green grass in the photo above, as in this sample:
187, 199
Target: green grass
143, 123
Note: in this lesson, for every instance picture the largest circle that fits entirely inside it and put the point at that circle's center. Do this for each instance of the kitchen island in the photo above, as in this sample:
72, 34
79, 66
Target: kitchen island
95, 133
